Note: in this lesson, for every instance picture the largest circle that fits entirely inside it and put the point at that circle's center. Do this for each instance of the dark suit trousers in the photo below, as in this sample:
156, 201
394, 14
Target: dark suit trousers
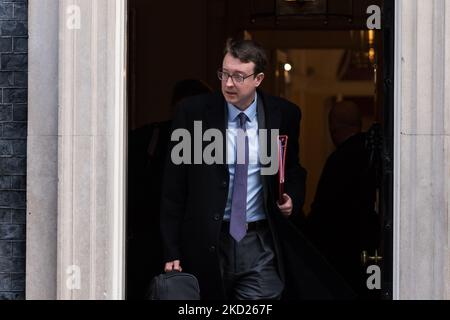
248, 268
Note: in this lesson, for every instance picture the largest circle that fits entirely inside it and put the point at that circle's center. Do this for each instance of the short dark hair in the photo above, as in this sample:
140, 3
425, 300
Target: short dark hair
247, 51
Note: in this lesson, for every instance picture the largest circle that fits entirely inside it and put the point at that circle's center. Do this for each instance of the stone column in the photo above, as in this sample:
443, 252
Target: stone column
91, 150
421, 262
87, 255
42, 154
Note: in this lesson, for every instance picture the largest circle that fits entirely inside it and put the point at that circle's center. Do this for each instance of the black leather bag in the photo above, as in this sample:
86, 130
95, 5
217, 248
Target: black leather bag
174, 286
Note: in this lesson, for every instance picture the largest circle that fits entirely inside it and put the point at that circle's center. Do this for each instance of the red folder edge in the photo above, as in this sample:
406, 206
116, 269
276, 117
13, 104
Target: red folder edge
282, 147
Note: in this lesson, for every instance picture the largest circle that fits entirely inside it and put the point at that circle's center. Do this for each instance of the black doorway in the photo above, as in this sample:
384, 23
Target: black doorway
336, 57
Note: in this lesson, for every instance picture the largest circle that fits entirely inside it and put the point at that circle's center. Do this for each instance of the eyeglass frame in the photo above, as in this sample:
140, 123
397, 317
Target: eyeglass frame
231, 76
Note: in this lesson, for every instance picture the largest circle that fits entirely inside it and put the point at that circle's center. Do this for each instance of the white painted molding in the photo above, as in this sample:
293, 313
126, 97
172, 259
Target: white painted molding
42, 153
92, 152
76, 151
422, 165
397, 147
120, 152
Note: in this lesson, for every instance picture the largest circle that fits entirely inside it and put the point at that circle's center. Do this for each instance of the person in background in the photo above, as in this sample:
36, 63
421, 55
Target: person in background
147, 153
342, 222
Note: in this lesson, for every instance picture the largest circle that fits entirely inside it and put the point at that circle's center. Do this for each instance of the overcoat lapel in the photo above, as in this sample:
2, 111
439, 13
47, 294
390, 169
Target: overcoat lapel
216, 117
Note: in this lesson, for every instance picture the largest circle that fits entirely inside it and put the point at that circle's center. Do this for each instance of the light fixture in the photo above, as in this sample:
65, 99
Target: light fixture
372, 55
287, 67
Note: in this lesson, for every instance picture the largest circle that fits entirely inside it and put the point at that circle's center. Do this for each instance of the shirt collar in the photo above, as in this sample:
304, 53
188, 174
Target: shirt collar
250, 112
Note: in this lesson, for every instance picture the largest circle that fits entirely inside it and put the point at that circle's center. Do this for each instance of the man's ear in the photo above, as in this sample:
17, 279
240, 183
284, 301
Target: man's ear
259, 79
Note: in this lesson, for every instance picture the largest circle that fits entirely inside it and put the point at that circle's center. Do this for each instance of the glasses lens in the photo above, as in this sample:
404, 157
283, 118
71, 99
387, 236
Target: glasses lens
223, 75
238, 78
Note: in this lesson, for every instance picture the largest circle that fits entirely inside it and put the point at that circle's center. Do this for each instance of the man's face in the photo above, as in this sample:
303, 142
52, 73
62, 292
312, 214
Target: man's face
240, 94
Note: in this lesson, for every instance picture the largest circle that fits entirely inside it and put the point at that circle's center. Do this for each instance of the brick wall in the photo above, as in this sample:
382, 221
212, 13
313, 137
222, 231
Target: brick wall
13, 133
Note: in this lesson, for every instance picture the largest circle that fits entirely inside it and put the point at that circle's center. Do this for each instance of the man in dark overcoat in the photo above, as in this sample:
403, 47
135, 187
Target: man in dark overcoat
224, 221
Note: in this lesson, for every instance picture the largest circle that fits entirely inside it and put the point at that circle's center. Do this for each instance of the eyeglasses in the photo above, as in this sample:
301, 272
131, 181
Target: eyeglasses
237, 78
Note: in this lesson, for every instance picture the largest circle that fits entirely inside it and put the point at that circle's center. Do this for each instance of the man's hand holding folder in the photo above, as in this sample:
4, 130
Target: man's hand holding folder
284, 201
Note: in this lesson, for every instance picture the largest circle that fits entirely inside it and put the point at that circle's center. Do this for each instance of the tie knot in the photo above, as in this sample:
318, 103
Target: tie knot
242, 119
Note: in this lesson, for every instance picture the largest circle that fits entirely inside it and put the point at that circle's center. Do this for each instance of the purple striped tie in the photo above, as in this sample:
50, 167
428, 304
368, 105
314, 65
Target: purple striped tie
238, 220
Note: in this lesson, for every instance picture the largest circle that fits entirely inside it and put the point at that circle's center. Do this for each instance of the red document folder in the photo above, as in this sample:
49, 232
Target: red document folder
282, 147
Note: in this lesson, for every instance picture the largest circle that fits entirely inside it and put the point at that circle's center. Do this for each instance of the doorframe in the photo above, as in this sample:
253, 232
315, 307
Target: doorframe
120, 153
63, 210
392, 229
393, 107
397, 105
390, 191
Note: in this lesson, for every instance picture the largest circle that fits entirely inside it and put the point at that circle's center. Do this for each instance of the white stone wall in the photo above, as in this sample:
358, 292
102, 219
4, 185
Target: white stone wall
422, 168
75, 245
42, 154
